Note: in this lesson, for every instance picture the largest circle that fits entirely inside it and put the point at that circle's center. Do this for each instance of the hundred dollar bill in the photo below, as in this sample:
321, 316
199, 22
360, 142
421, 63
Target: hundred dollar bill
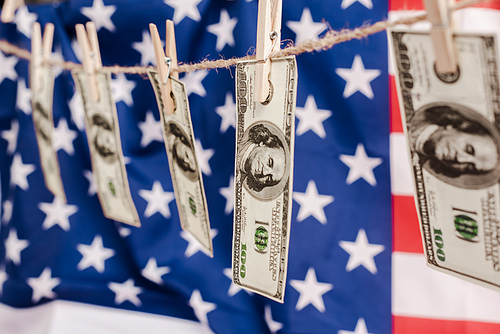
184, 169
41, 102
103, 134
265, 137
452, 125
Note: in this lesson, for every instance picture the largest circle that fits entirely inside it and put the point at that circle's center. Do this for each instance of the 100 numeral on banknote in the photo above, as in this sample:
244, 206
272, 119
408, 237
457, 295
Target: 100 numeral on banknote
452, 124
264, 179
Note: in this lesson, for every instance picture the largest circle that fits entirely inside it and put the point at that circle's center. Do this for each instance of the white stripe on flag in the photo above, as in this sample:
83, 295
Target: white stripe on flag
478, 20
63, 317
421, 292
401, 180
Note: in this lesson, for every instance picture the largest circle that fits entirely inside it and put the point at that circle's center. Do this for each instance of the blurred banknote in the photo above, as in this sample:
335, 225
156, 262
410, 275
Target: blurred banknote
184, 169
106, 154
41, 101
452, 125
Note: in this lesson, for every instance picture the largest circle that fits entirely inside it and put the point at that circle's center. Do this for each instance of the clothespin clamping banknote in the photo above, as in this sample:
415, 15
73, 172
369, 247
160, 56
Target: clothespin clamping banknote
42, 91
265, 135
102, 129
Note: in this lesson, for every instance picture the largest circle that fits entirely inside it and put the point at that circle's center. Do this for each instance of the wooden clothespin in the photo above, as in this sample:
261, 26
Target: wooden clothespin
9, 10
268, 40
40, 52
439, 15
165, 62
91, 60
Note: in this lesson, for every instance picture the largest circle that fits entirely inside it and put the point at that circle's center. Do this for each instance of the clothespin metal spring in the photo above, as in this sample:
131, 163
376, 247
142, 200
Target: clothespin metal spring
168, 62
273, 35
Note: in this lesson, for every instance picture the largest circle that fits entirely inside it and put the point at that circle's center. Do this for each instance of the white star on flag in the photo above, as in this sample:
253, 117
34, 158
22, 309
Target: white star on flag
11, 136
311, 291
100, 15
228, 113
306, 28
154, 273
233, 288
90, 178
357, 78
43, 285
19, 172
157, 199
312, 203
14, 246
194, 245
151, 130
24, 20
63, 136
76, 49
57, 213
361, 252
122, 89
273, 326
184, 8
228, 194
122, 231
192, 81
145, 48
360, 166
347, 3
360, 328
3, 279
203, 156
77, 112
223, 30
311, 118
57, 56
7, 70
200, 307
8, 205
94, 255
126, 291
23, 97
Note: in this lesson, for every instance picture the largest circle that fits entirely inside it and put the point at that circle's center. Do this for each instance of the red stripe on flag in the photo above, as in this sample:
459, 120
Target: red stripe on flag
407, 325
419, 5
406, 229
406, 4
491, 4
396, 125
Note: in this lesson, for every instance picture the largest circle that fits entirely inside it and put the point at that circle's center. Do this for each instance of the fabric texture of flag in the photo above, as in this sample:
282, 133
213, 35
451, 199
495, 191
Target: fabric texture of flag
356, 263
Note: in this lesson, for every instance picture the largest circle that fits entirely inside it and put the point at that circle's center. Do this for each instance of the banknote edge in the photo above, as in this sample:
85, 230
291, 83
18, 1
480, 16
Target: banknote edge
76, 79
155, 84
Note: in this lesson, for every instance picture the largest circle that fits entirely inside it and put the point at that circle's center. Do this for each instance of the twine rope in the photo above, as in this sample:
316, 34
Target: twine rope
326, 42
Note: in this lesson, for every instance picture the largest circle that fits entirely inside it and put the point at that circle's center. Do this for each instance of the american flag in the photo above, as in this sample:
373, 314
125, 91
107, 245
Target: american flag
356, 263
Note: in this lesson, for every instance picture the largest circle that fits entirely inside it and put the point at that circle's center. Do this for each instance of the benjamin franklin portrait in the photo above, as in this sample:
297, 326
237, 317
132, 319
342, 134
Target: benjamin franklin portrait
456, 144
103, 138
42, 121
264, 160
182, 151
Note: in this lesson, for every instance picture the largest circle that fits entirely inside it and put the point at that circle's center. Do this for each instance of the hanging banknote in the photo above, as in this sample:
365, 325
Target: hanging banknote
184, 169
264, 178
452, 126
41, 102
106, 154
